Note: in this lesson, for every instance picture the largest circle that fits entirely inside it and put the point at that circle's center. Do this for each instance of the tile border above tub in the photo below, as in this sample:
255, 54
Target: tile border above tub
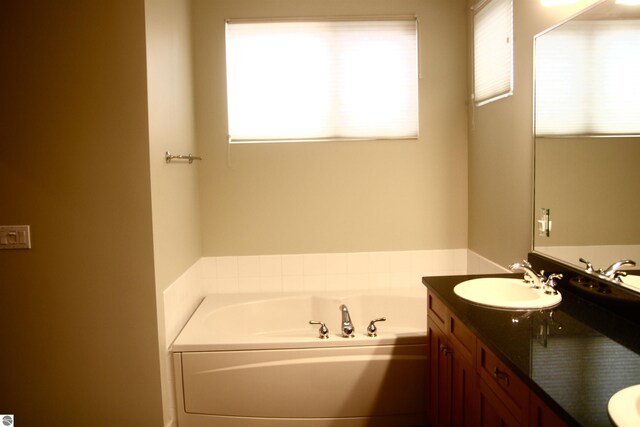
330, 271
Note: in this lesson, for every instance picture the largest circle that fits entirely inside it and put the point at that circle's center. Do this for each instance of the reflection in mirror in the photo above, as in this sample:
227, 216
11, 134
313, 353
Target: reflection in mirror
563, 348
587, 137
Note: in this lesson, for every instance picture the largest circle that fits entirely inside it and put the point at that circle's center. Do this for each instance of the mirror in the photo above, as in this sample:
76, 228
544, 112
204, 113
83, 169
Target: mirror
587, 137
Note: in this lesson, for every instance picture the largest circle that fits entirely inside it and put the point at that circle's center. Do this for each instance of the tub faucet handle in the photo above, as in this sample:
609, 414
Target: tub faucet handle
372, 330
323, 331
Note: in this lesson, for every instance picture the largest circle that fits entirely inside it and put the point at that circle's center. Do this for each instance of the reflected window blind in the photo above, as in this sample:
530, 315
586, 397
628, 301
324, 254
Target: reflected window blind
492, 51
587, 79
322, 80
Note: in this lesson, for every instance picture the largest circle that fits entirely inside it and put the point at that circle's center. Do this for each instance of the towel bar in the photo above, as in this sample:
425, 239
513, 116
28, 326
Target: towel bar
168, 157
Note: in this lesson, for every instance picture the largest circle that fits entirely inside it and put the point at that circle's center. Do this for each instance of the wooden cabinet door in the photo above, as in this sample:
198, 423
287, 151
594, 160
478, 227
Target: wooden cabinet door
463, 389
439, 377
540, 415
503, 382
491, 410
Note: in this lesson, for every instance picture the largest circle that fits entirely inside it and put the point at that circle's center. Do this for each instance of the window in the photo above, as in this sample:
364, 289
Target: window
492, 50
322, 80
587, 79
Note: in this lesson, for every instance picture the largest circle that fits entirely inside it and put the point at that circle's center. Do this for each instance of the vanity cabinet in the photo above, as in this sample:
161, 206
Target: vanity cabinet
469, 385
540, 415
451, 367
502, 398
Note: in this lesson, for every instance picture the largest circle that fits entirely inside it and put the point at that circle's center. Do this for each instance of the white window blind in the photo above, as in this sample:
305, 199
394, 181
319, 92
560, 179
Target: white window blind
322, 80
587, 79
493, 51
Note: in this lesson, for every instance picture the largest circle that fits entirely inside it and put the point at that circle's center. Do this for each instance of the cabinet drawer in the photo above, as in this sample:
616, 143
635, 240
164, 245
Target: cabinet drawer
437, 311
462, 338
504, 383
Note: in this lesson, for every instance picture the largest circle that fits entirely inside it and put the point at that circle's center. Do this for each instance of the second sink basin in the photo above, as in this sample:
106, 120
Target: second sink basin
624, 407
632, 282
505, 293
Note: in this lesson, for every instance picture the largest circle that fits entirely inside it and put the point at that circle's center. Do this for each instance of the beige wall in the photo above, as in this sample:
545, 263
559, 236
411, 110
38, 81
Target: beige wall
593, 196
174, 186
501, 147
342, 196
171, 128
78, 318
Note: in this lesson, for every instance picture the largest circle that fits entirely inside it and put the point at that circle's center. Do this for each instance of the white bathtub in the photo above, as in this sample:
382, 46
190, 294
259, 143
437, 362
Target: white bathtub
254, 360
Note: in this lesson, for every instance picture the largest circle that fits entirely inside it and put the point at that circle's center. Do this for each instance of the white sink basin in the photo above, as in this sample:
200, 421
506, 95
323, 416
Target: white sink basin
505, 293
624, 407
632, 282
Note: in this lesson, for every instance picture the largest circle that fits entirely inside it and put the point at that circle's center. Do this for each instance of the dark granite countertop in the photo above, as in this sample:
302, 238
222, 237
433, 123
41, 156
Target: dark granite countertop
575, 355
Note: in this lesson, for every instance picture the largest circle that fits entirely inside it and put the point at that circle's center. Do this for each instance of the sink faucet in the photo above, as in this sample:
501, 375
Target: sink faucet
530, 276
539, 281
613, 272
347, 326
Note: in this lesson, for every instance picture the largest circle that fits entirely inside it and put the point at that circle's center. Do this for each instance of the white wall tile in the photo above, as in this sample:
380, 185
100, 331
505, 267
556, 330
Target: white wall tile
477, 264
357, 281
336, 264
404, 280
227, 267
271, 266
248, 266
358, 263
292, 265
315, 264
379, 263
423, 263
271, 284
249, 284
208, 267
209, 275
228, 285
314, 283
292, 283
379, 281
337, 282
401, 262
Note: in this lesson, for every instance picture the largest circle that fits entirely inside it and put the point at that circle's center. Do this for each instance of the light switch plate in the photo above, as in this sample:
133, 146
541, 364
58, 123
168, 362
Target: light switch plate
15, 237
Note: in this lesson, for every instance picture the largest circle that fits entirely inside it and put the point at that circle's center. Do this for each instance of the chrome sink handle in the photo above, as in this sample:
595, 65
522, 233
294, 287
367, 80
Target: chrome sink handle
589, 268
372, 330
618, 274
323, 331
347, 326
550, 283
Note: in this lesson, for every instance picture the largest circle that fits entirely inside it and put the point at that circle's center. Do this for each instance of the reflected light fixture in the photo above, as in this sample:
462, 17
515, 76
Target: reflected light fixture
628, 2
547, 3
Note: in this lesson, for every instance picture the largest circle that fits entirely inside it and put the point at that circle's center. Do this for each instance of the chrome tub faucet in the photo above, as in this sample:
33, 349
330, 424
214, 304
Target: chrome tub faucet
347, 326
